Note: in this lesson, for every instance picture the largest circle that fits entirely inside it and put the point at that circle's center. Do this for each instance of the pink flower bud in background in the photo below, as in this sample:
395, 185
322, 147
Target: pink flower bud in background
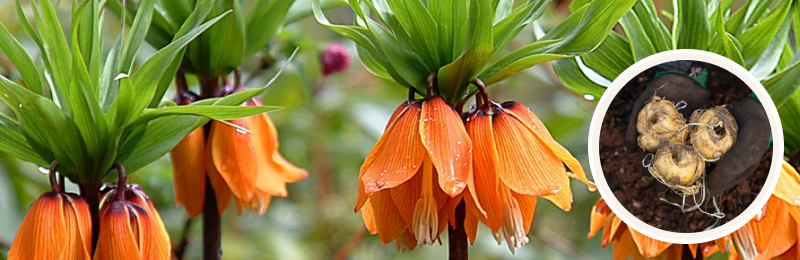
335, 58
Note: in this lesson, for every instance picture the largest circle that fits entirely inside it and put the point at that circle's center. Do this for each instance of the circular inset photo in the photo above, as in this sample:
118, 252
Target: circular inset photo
681, 146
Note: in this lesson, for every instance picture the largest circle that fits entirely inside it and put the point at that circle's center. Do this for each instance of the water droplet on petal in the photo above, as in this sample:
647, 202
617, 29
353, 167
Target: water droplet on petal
589, 97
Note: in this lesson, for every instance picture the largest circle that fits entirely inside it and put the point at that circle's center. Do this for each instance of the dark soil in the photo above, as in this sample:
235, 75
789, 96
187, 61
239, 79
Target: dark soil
634, 188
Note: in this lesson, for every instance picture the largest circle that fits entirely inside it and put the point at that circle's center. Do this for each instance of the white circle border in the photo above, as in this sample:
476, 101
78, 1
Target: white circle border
675, 237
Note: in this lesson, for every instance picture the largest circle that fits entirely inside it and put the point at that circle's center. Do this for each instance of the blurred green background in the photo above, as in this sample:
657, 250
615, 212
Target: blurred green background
328, 126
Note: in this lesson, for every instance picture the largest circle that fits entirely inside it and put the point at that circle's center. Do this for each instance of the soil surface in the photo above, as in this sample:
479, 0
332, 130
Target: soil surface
634, 188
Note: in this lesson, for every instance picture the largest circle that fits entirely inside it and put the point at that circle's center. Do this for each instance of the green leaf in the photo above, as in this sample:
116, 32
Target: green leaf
263, 21
138, 30
758, 38
723, 43
641, 44
55, 50
450, 16
783, 85
148, 143
656, 30
149, 76
746, 16
695, 30
218, 51
455, 77
786, 57
766, 63
210, 111
586, 28
19, 57
302, 9
14, 143
790, 121
572, 77
420, 27
506, 29
611, 58
520, 59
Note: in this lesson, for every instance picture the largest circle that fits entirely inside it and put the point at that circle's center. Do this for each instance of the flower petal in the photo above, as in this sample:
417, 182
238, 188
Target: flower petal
405, 197
775, 233
221, 189
189, 171
485, 163
471, 220
722, 243
648, 247
83, 225
527, 206
528, 166
233, 153
397, 155
389, 222
43, 231
369, 218
598, 218
117, 238
524, 114
788, 188
610, 228
269, 175
562, 199
447, 143
625, 247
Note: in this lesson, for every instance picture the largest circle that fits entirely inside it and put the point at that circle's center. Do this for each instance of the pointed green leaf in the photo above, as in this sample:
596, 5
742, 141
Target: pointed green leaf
641, 44
455, 77
572, 77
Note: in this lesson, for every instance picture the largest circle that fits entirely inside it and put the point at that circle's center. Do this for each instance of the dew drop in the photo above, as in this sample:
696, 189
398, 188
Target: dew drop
589, 97
44, 170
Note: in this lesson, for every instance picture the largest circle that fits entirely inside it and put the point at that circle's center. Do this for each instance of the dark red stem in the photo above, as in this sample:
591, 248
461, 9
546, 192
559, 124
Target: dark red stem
457, 242
91, 194
121, 181
431, 84
212, 233
54, 186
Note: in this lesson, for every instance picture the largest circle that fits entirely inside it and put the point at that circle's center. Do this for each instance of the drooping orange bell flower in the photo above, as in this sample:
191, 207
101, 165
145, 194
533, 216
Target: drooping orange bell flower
774, 231
243, 162
516, 160
628, 242
57, 226
130, 227
189, 171
412, 180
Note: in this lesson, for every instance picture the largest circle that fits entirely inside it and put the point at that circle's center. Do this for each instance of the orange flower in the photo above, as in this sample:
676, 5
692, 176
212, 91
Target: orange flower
189, 172
130, 227
242, 162
774, 231
412, 179
516, 161
58, 226
629, 242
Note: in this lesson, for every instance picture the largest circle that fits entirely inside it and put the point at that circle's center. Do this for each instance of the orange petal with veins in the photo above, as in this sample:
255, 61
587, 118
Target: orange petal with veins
189, 171
447, 143
775, 233
485, 162
52, 230
397, 155
389, 222
625, 247
405, 197
369, 218
524, 114
562, 199
527, 206
221, 189
233, 154
788, 188
528, 166
598, 218
649, 247
119, 232
610, 228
